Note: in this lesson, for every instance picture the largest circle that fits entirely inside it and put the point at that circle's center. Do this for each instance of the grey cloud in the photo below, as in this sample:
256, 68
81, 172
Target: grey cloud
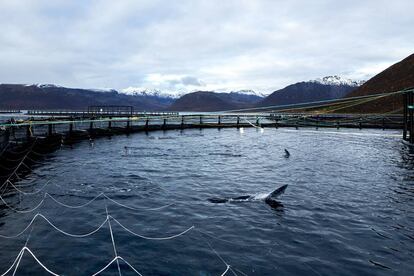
236, 44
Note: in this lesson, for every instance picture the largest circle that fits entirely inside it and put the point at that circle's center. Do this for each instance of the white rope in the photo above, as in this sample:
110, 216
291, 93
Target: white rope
111, 262
112, 238
152, 238
74, 206
14, 263
22, 211
228, 267
20, 255
55, 227
110, 199
29, 193
225, 272
20, 163
75, 235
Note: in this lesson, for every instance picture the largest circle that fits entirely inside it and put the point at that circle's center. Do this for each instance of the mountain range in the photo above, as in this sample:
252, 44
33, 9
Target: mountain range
49, 96
328, 88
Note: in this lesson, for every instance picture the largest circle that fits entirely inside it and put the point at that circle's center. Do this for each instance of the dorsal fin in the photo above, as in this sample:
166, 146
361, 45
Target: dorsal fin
277, 192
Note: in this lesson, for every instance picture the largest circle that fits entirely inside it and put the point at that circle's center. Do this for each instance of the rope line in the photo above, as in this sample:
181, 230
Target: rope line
55, 227
152, 238
108, 217
20, 255
112, 239
22, 211
111, 262
29, 193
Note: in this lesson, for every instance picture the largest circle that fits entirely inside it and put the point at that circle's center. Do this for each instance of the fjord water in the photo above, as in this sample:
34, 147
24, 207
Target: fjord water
348, 209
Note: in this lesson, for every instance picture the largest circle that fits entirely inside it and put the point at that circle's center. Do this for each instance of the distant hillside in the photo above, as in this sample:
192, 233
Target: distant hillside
396, 77
328, 88
213, 101
17, 96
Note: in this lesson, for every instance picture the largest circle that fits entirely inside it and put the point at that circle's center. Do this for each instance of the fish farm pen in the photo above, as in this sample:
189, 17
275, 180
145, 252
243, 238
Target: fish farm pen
52, 128
50, 132
27, 140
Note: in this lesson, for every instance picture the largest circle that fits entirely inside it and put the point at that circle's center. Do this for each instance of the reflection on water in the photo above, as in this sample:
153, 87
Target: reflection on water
348, 209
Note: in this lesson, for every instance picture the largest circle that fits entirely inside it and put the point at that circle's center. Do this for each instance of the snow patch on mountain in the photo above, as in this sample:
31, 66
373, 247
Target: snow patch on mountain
151, 92
249, 92
337, 80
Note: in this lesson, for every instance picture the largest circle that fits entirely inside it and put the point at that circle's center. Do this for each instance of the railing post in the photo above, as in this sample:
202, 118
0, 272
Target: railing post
110, 123
219, 120
164, 125
201, 120
238, 122
50, 130
71, 127
28, 132
405, 107
411, 113
91, 124
182, 121
146, 124
128, 125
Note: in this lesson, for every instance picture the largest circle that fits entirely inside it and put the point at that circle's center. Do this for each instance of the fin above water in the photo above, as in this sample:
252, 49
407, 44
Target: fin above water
277, 192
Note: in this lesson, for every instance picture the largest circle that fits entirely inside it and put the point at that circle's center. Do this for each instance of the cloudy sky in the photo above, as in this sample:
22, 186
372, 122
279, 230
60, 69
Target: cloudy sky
200, 45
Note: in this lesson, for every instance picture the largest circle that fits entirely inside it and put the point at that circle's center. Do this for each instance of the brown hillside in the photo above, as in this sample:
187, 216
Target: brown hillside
396, 77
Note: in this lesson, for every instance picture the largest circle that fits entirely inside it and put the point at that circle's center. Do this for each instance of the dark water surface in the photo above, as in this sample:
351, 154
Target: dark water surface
348, 210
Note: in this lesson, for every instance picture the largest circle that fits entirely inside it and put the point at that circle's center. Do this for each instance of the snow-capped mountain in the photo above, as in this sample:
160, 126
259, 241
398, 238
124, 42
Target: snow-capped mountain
249, 92
151, 92
140, 91
337, 80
